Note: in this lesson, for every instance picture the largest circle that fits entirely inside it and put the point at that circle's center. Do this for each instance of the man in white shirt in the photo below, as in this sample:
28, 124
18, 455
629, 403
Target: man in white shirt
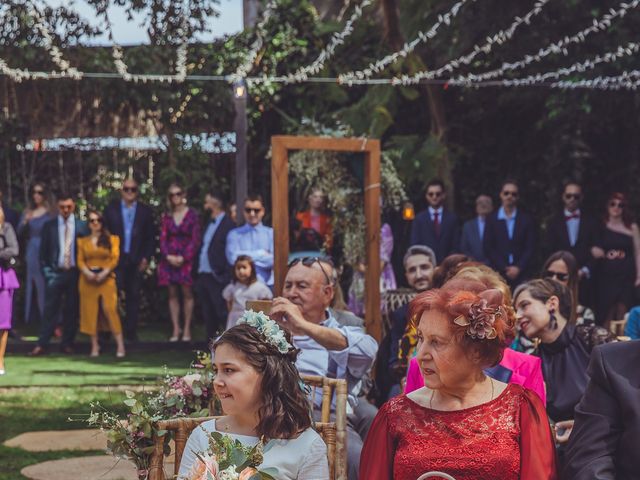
327, 348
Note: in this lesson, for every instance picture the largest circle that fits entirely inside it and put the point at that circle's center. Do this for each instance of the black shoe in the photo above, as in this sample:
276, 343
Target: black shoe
15, 335
67, 349
38, 351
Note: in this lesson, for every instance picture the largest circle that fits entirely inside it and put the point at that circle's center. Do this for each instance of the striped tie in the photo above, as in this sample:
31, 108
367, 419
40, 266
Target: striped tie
66, 262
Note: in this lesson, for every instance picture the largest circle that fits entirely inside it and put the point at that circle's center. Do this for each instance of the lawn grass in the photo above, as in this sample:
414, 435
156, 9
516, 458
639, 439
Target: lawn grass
75, 370
34, 409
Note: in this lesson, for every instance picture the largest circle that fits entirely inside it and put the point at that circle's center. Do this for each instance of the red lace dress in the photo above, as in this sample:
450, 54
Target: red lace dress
507, 438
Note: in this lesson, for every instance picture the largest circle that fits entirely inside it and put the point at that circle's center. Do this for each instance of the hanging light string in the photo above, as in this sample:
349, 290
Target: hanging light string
604, 83
598, 25
245, 67
318, 64
52, 49
351, 78
181, 56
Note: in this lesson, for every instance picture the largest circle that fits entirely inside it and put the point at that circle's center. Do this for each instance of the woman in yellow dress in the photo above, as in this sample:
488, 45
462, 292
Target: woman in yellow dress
97, 258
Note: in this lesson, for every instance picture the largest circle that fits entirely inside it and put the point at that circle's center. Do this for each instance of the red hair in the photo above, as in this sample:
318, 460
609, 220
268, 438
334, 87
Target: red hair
627, 217
447, 300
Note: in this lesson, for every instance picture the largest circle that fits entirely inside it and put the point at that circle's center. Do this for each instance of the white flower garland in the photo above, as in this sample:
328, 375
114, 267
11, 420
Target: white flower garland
356, 77
604, 83
499, 38
558, 47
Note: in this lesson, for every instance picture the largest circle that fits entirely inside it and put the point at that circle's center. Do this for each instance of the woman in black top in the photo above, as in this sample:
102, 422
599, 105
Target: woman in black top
543, 309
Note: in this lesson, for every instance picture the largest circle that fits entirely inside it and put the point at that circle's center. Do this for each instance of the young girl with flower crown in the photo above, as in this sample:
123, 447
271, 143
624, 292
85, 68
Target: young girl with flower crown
260, 391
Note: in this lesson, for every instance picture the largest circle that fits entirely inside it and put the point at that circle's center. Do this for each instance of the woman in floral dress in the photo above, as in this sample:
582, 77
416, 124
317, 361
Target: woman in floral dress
179, 243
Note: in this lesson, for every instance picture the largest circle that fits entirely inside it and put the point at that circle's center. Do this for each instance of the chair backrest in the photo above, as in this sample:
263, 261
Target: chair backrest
617, 326
329, 387
394, 299
182, 428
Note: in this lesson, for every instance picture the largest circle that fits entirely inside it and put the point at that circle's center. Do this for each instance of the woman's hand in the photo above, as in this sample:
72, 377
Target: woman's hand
102, 276
563, 431
89, 275
597, 252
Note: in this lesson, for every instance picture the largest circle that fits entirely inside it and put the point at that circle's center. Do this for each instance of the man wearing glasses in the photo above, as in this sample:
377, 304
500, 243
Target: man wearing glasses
253, 239
327, 348
437, 228
510, 237
132, 221
574, 231
58, 261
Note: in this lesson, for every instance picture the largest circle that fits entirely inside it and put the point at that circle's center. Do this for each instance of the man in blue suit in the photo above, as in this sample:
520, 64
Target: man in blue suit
58, 261
510, 237
471, 243
436, 227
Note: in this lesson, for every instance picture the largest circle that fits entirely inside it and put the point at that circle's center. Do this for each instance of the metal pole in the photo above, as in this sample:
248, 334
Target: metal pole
240, 127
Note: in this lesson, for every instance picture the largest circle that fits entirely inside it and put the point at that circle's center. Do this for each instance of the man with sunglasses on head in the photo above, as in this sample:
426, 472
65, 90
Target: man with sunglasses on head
574, 231
436, 227
510, 237
253, 239
327, 348
58, 261
132, 221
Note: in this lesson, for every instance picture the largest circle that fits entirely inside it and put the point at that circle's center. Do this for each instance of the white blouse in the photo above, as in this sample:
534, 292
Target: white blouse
301, 458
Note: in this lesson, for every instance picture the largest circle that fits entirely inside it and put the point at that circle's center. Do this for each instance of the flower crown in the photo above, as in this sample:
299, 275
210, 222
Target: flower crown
479, 315
269, 329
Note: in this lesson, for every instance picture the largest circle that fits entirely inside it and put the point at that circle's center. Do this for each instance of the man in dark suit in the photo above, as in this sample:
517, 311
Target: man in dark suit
574, 231
510, 237
604, 442
58, 261
10, 215
471, 243
214, 273
436, 227
132, 221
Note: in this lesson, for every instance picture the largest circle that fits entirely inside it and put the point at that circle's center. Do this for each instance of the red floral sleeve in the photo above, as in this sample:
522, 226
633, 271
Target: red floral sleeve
193, 246
376, 459
164, 240
537, 450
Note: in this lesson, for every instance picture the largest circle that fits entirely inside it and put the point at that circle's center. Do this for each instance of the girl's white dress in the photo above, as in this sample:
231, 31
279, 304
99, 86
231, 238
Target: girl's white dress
301, 458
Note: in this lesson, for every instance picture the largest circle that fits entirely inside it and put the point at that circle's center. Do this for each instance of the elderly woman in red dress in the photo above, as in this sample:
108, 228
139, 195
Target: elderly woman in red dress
461, 422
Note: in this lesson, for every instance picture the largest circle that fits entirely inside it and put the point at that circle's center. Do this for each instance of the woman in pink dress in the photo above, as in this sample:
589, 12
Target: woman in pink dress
8, 282
179, 243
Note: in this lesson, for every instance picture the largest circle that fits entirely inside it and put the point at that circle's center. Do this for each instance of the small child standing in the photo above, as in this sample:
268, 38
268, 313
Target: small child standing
245, 286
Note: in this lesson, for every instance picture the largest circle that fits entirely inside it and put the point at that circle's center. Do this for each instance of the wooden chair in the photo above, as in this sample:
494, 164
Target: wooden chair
392, 300
617, 326
334, 433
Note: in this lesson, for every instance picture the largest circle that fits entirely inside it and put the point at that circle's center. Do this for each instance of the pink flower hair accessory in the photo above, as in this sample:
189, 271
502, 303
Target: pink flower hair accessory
479, 315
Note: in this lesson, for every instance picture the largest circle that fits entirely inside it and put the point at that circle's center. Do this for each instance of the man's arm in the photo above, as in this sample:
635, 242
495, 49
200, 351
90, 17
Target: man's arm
597, 428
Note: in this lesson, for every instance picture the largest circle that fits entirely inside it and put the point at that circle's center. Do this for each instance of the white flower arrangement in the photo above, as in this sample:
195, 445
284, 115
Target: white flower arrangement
269, 329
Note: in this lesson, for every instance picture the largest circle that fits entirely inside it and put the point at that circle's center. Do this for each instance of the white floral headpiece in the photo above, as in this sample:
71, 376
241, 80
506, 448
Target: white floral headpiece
269, 329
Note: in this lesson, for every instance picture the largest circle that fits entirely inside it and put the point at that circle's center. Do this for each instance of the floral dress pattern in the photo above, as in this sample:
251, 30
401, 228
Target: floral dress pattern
184, 240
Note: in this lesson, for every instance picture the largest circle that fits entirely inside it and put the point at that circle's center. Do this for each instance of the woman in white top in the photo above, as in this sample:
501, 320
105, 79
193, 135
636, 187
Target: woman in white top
261, 394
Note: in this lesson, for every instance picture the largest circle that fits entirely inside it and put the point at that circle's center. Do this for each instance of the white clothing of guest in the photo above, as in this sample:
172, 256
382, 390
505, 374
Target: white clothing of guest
240, 293
300, 458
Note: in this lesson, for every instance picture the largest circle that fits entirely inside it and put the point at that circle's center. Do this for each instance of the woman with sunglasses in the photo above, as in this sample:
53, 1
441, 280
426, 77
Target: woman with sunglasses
98, 256
617, 251
31, 223
179, 244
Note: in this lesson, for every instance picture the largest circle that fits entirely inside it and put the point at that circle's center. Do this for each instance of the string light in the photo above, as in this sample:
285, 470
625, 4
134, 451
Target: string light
352, 77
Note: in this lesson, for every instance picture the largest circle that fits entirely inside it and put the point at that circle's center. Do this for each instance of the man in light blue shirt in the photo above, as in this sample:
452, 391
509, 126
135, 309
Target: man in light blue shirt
473, 230
327, 348
253, 239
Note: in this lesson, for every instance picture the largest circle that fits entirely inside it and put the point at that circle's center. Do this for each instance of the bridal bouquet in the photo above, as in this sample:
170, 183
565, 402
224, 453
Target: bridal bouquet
228, 459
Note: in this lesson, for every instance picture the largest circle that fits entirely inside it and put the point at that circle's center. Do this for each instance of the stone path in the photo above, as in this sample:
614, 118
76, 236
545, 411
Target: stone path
98, 467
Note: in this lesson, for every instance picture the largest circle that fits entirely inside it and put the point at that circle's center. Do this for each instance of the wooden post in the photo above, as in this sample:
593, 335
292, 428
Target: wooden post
280, 146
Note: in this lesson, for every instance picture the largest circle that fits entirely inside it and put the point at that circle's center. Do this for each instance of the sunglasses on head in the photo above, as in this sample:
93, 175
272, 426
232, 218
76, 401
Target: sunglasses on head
509, 193
255, 211
309, 261
616, 204
569, 196
130, 189
561, 277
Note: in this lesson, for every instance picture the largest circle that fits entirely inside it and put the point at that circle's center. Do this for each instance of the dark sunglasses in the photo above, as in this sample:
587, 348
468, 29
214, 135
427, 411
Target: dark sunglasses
510, 193
95, 220
175, 194
616, 204
309, 261
434, 194
38, 192
570, 196
255, 211
561, 277
130, 189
